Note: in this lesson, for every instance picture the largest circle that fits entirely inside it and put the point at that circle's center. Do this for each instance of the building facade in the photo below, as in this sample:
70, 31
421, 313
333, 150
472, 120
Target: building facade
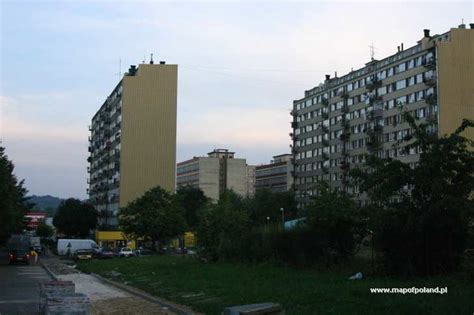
276, 176
214, 174
345, 118
133, 140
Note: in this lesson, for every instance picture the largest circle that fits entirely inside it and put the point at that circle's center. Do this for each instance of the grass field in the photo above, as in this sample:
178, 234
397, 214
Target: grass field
209, 287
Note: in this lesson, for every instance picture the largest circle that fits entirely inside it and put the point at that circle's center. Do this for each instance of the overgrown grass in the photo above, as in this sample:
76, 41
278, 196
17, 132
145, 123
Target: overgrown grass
209, 287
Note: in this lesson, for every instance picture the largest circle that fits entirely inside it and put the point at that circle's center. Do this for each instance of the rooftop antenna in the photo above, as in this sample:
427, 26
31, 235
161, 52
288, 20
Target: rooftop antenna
372, 51
151, 59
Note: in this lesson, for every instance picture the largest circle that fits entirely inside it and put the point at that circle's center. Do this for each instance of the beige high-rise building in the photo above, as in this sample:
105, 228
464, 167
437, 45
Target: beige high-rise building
214, 174
133, 140
344, 118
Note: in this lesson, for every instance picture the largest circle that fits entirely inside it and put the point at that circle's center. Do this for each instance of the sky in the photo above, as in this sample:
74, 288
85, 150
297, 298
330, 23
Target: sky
240, 66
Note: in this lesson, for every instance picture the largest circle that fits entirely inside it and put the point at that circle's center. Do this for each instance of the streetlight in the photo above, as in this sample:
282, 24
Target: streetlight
282, 217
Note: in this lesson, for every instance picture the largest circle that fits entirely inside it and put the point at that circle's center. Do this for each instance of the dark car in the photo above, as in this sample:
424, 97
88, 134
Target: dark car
19, 255
105, 253
82, 254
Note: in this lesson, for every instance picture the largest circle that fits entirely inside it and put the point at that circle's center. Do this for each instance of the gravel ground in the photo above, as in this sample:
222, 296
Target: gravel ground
105, 299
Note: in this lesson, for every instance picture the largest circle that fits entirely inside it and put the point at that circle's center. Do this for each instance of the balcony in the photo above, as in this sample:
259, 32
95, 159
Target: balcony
325, 156
373, 144
294, 124
430, 81
344, 165
431, 99
345, 109
325, 129
343, 94
324, 101
325, 115
325, 143
345, 136
429, 63
373, 83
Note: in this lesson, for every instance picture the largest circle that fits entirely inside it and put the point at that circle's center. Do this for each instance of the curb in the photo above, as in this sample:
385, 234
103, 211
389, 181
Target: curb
181, 310
49, 271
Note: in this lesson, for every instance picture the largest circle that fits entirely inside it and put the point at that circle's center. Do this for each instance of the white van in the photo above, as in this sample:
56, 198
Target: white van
71, 245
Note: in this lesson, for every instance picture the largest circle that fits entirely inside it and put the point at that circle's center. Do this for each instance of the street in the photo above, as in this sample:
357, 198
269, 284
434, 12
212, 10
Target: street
19, 291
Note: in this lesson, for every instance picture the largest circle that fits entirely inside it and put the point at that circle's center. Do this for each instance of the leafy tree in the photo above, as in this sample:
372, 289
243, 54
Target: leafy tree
337, 221
155, 217
265, 205
12, 199
44, 231
191, 200
224, 229
422, 214
75, 218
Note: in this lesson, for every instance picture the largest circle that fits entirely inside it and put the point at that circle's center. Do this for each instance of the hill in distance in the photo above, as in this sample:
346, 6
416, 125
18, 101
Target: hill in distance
46, 203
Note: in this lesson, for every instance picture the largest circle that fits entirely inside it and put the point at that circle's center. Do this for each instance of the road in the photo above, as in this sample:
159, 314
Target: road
19, 290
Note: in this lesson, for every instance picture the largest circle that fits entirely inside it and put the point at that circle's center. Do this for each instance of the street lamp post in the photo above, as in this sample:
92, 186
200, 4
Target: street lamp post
282, 218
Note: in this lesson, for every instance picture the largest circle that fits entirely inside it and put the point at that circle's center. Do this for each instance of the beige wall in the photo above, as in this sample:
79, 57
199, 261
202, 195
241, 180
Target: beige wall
456, 81
237, 176
209, 177
148, 141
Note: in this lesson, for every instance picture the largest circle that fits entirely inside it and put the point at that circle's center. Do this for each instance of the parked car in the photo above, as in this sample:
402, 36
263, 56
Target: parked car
105, 253
19, 255
125, 252
82, 254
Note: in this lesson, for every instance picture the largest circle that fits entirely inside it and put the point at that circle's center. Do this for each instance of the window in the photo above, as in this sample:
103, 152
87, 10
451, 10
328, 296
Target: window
349, 87
401, 67
382, 90
350, 101
401, 84
389, 72
411, 64
419, 78
411, 81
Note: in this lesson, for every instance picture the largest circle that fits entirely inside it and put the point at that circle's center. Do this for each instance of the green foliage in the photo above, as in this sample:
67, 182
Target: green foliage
191, 200
44, 231
156, 216
12, 199
223, 229
420, 216
338, 224
264, 207
75, 218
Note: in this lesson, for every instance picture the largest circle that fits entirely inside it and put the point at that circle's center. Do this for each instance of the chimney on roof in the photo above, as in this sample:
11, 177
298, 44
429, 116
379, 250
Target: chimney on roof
401, 47
328, 76
472, 26
162, 62
462, 25
398, 48
426, 32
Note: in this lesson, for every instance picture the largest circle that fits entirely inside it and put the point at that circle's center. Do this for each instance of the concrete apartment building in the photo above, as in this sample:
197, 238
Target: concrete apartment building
344, 118
276, 176
213, 174
133, 140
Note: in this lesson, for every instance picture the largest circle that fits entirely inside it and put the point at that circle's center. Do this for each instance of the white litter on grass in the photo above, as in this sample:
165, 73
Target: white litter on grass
357, 276
93, 287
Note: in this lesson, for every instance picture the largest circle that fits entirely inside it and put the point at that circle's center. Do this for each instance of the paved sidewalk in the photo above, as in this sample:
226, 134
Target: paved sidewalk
105, 299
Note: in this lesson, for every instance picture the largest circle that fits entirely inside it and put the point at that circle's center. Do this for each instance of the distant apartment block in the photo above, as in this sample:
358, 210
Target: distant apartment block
133, 140
214, 174
251, 169
276, 176
337, 123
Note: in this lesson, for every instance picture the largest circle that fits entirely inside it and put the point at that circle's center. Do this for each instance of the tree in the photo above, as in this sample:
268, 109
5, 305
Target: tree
12, 199
155, 217
75, 218
265, 205
338, 222
191, 200
224, 229
421, 214
44, 231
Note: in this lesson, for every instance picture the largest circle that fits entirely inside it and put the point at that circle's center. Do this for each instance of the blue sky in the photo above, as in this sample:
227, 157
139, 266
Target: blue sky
241, 65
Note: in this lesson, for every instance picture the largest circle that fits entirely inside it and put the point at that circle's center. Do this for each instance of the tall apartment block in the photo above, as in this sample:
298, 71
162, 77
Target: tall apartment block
276, 176
133, 140
340, 121
214, 174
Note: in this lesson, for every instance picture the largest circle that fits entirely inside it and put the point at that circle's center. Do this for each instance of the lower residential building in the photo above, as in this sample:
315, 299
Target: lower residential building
276, 176
215, 173
337, 123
